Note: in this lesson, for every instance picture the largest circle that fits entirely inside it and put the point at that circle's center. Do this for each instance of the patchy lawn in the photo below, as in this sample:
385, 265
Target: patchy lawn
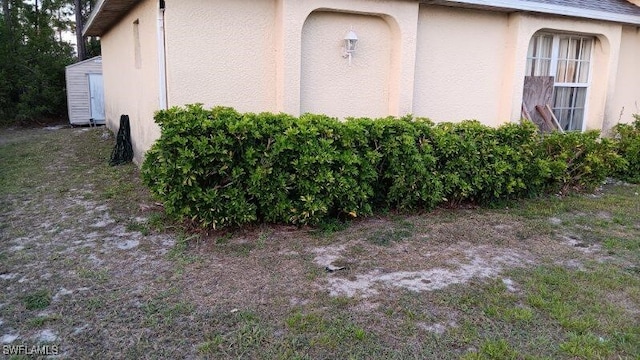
89, 263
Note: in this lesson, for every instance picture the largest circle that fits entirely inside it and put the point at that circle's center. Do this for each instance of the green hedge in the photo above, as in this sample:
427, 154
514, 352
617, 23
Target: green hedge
578, 161
220, 168
628, 146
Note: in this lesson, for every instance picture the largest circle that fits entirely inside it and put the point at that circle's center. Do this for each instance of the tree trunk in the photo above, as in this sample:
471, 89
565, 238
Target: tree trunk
7, 15
37, 20
79, 27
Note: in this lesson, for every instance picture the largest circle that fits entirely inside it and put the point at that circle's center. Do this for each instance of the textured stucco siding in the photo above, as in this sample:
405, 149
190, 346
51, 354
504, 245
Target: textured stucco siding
471, 64
460, 64
445, 63
129, 89
626, 98
292, 34
329, 84
221, 53
604, 62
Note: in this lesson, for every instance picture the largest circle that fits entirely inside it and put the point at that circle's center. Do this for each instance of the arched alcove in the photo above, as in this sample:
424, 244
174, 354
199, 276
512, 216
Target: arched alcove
329, 83
576, 63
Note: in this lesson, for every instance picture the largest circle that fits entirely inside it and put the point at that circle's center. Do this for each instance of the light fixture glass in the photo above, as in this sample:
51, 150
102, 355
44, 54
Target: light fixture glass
350, 42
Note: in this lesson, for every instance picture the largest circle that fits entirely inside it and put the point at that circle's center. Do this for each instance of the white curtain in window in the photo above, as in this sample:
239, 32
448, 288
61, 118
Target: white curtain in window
566, 58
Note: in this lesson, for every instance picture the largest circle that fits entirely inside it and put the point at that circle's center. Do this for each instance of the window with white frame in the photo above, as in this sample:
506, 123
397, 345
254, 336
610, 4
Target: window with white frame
568, 59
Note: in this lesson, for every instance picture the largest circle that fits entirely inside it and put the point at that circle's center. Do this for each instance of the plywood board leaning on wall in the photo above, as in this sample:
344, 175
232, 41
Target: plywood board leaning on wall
538, 90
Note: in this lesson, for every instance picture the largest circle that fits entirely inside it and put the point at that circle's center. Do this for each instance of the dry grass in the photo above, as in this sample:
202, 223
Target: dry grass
89, 262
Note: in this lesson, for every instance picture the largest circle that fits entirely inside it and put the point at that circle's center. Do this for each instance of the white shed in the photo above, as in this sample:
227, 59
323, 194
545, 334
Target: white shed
85, 92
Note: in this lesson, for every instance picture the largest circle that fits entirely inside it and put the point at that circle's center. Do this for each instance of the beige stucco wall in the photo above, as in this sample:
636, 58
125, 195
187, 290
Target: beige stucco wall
401, 18
248, 53
445, 63
626, 97
221, 53
464, 73
130, 90
460, 64
603, 69
439, 62
329, 83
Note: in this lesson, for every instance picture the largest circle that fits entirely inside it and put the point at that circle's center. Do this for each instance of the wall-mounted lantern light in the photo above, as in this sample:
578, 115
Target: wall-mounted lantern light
350, 41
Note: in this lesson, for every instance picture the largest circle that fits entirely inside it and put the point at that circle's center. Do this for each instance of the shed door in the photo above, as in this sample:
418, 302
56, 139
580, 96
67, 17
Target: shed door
96, 92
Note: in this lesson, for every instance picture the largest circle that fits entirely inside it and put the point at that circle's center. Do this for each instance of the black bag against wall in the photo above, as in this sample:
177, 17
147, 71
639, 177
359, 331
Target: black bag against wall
123, 151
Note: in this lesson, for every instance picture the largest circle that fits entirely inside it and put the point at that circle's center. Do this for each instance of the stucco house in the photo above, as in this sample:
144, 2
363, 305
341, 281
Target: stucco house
448, 60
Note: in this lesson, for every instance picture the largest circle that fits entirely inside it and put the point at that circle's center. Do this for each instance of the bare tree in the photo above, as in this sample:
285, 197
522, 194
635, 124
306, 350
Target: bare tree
7, 15
79, 25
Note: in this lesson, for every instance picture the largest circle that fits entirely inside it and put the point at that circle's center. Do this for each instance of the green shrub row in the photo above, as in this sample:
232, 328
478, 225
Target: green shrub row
220, 168
628, 146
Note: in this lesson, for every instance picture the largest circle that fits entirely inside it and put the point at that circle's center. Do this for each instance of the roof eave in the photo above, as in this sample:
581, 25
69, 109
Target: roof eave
520, 5
105, 14
108, 12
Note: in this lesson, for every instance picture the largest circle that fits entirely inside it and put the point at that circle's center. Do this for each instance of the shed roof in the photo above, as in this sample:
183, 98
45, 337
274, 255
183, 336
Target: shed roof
108, 12
95, 58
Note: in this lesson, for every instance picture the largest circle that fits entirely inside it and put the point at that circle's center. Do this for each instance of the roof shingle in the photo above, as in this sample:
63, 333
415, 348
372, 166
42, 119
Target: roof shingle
619, 11
622, 7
